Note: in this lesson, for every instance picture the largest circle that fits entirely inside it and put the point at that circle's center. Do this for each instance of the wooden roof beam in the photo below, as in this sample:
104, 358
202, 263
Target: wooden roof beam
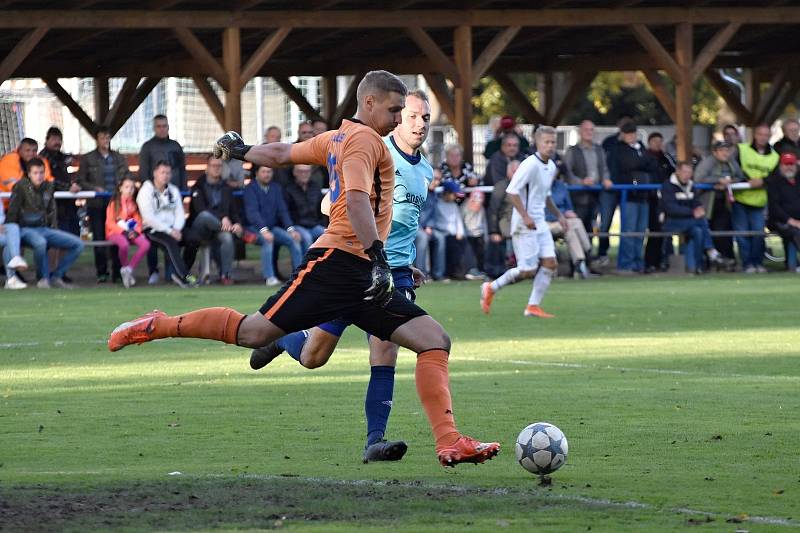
659, 54
578, 85
211, 98
429, 47
349, 103
217, 19
73, 106
141, 92
297, 97
712, 49
768, 98
730, 97
18, 54
661, 91
519, 98
263, 53
438, 86
199, 52
492, 51
122, 101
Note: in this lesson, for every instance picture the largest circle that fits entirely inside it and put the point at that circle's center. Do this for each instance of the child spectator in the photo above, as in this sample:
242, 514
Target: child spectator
33, 207
124, 227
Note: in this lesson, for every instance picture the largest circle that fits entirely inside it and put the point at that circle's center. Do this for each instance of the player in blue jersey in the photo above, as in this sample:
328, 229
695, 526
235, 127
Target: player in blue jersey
312, 348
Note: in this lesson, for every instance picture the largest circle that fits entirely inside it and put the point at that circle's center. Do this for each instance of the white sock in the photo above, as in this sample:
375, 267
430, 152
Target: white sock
540, 284
507, 278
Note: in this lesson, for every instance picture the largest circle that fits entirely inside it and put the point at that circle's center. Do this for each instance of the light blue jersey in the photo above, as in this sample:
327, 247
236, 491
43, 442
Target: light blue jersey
412, 175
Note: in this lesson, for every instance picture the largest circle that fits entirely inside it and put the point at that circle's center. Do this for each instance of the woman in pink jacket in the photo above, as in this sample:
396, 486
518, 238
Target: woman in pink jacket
124, 227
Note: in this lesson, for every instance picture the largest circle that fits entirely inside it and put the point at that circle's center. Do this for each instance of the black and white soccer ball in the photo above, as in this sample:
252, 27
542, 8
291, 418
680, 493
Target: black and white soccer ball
541, 448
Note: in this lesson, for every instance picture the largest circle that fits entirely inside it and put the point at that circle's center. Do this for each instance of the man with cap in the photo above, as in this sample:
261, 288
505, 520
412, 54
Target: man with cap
783, 192
507, 126
719, 170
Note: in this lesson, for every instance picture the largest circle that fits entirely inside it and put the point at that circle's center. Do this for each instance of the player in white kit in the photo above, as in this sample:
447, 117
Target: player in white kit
529, 192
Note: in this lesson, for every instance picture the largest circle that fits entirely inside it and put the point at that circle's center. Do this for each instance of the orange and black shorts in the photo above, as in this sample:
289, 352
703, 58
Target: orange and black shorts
330, 284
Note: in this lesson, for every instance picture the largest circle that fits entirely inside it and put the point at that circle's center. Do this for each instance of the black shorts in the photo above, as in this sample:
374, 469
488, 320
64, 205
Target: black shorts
330, 284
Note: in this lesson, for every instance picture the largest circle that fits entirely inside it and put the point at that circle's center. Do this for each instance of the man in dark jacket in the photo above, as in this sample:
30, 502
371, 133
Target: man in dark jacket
100, 171
635, 166
213, 218
303, 198
161, 148
498, 222
268, 219
654, 259
496, 165
66, 211
783, 194
33, 208
683, 212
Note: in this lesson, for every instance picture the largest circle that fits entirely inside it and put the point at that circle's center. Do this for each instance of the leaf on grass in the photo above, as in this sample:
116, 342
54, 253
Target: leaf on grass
41, 428
716, 437
708, 478
174, 425
777, 492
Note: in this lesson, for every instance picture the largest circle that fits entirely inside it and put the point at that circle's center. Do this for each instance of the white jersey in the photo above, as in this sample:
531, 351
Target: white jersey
532, 182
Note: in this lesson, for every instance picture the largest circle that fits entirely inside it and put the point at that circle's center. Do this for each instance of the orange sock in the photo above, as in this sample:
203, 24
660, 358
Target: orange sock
433, 388
217, 323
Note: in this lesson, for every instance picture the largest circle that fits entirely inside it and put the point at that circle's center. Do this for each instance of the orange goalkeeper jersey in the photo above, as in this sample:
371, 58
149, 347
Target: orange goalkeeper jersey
357, 160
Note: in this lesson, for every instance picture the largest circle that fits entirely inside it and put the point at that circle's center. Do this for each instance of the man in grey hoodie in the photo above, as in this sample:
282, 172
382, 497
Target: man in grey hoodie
161, 148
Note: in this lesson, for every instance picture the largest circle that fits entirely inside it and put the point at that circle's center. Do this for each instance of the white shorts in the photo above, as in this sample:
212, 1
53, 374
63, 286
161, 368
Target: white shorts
530, 246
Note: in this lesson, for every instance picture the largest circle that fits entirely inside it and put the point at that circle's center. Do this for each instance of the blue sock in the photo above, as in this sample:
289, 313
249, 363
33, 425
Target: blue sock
293, 343
378, 403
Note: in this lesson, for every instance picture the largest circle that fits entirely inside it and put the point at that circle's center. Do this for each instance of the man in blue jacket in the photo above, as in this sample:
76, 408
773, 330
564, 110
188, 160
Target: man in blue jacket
268, 218
683, 212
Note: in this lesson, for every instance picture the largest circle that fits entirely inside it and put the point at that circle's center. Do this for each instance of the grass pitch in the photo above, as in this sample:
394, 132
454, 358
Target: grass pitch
679, 398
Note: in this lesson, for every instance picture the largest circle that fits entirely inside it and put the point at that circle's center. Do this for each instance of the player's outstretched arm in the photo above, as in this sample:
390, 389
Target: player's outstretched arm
232, 146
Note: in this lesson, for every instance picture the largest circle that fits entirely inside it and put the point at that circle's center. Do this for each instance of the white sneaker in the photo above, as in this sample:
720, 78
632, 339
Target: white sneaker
797, 270
750, 270
127, 276
153, 279
273, 281
761, 269
61, 284
17, 263
43, 283
14, 283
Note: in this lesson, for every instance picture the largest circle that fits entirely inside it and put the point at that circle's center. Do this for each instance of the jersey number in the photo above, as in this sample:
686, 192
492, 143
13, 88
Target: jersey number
335, 190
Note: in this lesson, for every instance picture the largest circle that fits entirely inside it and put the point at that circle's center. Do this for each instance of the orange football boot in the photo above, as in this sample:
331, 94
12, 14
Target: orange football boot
535, 310
487, 294
136, 331
467, 450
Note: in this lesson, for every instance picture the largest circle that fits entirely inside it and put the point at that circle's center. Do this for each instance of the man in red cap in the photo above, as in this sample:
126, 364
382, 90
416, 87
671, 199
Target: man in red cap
507, 125
783, 193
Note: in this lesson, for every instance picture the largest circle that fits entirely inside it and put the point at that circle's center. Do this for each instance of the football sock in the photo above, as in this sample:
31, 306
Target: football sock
378, 403
433, 388
507, 278
540, 284
293, 343
217, 323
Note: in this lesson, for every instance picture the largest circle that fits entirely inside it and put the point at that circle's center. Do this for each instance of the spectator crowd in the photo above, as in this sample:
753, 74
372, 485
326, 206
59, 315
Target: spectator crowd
464, 228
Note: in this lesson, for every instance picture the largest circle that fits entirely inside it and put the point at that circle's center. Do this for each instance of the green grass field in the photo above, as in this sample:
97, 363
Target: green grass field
679, 396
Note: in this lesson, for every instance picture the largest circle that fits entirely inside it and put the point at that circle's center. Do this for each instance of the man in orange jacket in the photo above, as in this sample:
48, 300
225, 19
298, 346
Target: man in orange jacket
12, 165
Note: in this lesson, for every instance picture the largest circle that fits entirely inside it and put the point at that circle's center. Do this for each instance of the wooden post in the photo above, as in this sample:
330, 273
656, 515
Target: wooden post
462, 44
330, 99
100, 99
684, 56
232, 63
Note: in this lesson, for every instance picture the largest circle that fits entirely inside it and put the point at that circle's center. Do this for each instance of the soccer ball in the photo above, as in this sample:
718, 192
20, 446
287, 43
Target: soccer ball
541, 448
